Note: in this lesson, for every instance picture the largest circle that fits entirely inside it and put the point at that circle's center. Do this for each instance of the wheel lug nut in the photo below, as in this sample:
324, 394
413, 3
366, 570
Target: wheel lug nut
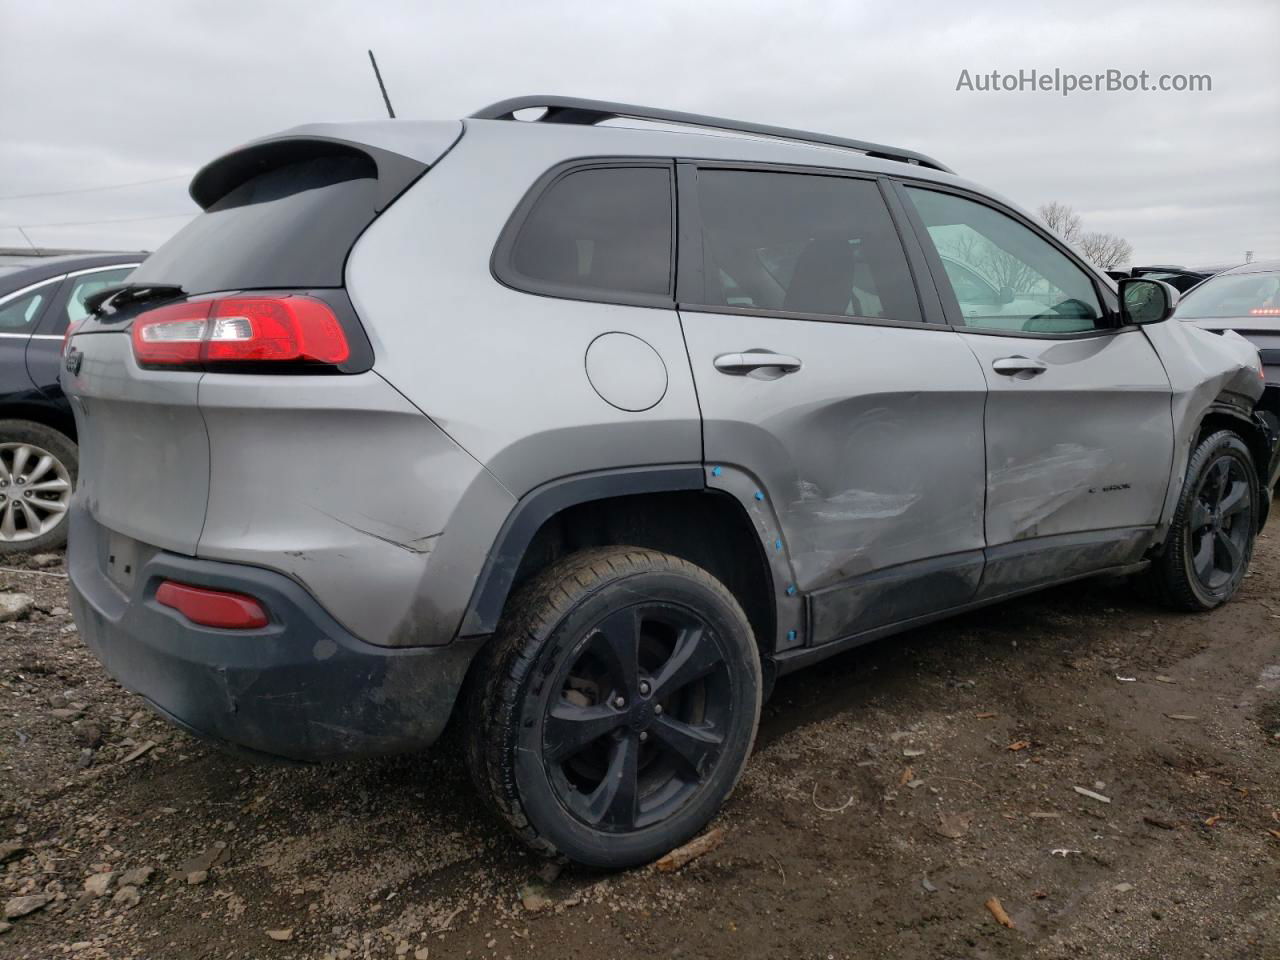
657, 708
620, 702
26, 493
644, 687
644, 735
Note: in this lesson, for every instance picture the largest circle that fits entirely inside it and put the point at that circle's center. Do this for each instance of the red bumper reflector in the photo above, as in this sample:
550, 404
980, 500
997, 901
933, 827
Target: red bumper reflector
212, 608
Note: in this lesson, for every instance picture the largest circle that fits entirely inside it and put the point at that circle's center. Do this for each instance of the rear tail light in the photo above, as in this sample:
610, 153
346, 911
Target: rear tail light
277, 329
212, 608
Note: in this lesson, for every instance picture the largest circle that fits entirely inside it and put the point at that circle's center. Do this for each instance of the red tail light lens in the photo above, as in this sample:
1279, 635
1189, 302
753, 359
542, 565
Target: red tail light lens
240, 330
212, 608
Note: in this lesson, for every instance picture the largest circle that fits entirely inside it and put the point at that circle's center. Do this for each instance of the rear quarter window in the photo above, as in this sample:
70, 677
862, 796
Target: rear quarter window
595, 233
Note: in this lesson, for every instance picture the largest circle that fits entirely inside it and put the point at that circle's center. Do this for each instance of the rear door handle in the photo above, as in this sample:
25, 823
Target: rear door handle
755, 360
1009, 366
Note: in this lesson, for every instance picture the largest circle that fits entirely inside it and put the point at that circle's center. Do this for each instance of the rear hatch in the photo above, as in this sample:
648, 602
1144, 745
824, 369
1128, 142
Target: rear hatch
253, 286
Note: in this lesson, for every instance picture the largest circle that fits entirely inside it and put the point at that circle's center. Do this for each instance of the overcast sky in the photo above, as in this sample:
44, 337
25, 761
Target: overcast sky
97, 94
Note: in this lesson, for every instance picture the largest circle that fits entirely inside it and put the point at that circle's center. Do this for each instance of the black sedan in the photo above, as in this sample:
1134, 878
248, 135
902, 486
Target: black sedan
39, 297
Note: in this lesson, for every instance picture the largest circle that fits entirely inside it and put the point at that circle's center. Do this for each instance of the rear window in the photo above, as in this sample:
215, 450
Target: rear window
291, 226
601, 233
1233, 295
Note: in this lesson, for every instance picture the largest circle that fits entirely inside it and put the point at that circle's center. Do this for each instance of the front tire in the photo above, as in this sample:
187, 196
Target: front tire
1211, 538
615, 708
38, 469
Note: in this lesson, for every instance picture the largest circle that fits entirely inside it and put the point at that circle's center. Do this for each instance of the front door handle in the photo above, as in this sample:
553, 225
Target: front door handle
1011, 366
755, 360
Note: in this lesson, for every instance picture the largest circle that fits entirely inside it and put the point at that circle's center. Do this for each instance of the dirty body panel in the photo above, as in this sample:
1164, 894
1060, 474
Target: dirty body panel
301, 688
144, 455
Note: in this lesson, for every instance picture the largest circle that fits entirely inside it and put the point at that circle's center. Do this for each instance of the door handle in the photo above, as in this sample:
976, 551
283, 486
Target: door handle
755, 360
1009, 366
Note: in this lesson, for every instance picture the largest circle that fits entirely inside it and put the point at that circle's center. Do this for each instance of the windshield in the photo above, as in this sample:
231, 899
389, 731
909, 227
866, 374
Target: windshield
1234, 295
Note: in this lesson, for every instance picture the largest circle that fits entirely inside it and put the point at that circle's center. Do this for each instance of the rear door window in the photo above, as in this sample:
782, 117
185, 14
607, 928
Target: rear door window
21, 313
598, 233
802, 243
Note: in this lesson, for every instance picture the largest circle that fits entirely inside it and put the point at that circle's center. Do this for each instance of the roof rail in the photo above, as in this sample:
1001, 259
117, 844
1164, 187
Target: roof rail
590, 112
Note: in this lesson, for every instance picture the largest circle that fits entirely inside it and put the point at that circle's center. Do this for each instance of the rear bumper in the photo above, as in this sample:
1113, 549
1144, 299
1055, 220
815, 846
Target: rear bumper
301, 688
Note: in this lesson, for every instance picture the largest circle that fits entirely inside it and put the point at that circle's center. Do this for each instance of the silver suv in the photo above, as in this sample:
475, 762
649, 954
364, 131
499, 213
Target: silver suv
586, 432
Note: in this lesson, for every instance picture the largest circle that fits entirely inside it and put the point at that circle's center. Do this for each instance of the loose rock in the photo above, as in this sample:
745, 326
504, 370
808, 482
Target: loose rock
126, 897
137, 877
15, 606
281, 935
21, 906
98, 884
11, 851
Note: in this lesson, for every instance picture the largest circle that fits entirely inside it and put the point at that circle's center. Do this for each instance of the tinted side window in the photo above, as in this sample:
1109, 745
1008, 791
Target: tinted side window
802, 243
19, 315
599, 231
1006, 276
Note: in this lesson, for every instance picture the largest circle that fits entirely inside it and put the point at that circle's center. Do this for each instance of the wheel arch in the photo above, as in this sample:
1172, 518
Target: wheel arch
666, 508
1257, 435
44, 414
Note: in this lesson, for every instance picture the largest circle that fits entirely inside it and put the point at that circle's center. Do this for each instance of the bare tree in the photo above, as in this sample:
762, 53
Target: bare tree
1105, 250
1062, 220
998, 266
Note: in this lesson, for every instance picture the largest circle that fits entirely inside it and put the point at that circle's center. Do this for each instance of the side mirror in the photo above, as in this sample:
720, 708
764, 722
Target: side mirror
1146, 301
1006, 295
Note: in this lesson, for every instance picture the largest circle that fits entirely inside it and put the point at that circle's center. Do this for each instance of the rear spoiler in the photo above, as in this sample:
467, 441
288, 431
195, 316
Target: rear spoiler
398, 151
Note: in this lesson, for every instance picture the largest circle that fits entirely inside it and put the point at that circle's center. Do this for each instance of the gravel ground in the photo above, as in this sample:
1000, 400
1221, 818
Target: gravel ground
895, 791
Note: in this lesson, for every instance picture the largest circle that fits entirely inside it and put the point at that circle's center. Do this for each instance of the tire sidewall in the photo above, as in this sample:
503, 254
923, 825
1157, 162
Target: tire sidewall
545, 812
1207, 455
64, 449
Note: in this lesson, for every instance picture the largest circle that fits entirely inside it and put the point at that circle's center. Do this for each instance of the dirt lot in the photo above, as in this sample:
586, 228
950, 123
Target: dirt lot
893, 792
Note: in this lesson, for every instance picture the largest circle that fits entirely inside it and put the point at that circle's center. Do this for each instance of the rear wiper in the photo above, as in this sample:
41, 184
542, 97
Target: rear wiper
126, 293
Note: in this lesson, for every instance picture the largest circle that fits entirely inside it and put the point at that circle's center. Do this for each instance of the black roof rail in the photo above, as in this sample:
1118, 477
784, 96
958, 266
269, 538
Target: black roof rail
590, 112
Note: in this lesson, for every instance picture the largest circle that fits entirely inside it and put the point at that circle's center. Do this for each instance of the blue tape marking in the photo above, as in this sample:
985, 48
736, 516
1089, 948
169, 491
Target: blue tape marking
791, 590
716, 471
791, 634
777, 544
759, 495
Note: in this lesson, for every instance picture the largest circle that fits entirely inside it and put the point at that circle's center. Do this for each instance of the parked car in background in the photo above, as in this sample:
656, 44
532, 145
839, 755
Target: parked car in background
1181, 279
1245, 299
39, 297
423, 413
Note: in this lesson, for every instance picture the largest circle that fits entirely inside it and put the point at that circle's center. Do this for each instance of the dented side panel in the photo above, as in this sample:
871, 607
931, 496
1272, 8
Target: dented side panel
1203, 368
1085, 445
342, 484
870, 455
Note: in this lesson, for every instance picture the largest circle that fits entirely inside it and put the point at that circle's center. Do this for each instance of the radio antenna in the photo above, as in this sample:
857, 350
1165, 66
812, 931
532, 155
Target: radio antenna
382, 86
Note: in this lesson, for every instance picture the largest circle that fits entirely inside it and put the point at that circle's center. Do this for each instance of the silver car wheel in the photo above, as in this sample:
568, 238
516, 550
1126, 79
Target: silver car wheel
35, 491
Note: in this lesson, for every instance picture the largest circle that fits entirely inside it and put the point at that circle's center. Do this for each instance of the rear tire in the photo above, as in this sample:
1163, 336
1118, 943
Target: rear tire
38, 470
615, 708
1211, 538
